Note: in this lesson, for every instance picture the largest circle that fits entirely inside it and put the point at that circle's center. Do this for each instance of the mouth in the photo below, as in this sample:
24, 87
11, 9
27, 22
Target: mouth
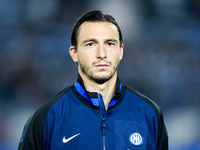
102, 66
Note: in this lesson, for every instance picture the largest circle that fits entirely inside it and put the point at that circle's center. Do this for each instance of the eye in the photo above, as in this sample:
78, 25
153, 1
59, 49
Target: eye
110, 44
90, 44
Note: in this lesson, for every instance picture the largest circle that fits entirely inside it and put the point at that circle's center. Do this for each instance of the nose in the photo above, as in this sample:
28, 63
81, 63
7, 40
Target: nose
101, 52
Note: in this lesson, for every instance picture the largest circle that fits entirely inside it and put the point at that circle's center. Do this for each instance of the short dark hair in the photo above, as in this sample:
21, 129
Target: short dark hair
93, 16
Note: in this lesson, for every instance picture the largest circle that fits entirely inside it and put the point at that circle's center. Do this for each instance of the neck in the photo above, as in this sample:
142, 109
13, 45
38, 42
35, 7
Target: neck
107, 89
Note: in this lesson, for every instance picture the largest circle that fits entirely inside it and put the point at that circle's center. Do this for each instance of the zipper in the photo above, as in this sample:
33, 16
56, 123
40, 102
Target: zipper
103, 133
103, 113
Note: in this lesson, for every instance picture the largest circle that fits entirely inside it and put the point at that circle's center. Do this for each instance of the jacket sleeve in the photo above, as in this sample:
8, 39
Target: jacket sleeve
34, 132
162, 134
32, 135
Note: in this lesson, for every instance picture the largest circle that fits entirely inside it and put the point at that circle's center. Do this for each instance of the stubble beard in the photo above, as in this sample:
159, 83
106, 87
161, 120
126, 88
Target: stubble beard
97, 78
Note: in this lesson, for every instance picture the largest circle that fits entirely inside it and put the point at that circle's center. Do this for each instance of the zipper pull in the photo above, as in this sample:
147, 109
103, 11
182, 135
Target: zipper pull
103, 127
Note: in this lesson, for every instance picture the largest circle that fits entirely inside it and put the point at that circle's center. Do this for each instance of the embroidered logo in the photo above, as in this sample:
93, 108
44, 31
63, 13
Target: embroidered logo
136, 138
67, 140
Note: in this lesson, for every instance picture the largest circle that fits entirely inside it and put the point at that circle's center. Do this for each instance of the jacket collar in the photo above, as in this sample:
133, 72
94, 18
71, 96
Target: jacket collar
92, 97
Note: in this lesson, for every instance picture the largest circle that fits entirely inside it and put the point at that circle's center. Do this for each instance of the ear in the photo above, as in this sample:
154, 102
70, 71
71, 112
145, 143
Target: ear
121, 51
73, 54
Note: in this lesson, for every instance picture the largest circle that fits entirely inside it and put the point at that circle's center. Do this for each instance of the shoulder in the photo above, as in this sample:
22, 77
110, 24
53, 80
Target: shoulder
144, 99
37, 120
34, 127
41, 112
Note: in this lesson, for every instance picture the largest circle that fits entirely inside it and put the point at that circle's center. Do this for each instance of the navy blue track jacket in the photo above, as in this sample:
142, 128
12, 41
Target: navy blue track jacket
76, 119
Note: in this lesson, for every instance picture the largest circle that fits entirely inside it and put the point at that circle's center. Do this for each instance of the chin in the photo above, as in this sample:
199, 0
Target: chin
101, 78
103, 75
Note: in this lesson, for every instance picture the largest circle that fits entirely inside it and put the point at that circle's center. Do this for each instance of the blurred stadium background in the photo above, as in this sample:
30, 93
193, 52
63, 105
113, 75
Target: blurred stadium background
161, 59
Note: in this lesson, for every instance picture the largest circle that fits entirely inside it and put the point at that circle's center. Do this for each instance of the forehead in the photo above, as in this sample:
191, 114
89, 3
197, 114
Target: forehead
98, 29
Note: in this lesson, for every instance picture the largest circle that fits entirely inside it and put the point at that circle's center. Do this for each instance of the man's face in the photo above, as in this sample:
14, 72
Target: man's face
98, 51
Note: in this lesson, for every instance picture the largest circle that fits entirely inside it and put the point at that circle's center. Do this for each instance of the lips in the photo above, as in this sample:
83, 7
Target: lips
102, 66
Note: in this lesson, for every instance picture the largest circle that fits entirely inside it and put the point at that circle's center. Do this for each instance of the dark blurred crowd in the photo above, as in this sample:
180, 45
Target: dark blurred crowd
162, 60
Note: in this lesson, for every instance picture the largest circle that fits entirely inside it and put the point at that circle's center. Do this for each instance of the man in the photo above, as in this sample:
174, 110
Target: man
97, 112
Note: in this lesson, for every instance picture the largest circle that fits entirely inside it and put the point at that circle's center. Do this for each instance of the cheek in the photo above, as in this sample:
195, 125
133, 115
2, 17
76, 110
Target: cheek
84, 59
116, 57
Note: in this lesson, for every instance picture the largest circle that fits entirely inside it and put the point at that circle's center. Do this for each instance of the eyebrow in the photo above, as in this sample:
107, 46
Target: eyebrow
89, 40
94, 40
112, 40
